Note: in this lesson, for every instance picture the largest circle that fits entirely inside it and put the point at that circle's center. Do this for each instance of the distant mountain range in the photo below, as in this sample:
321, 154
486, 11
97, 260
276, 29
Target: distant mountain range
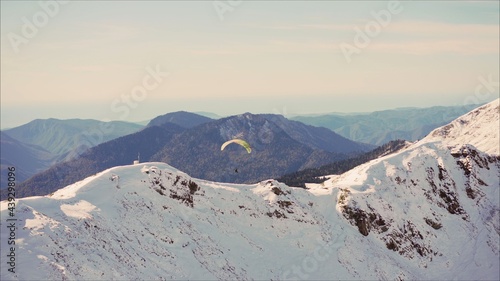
28, 159
120, 151
37, 145
381, 127
66, 138
193, 143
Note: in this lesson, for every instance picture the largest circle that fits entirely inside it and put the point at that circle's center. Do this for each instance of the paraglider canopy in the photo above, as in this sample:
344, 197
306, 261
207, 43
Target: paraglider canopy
237, 141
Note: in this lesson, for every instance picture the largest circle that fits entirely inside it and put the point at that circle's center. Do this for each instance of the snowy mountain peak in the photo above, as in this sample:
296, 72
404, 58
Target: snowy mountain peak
479, 127
438, 193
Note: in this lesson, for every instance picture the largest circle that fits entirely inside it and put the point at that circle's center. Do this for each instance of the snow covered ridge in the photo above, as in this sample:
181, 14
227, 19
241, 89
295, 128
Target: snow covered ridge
424, 202
441, 192
479, 127
430, 211
151, 221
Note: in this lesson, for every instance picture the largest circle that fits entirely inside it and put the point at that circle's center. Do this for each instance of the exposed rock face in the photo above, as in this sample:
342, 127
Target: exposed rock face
461, 183
427, 182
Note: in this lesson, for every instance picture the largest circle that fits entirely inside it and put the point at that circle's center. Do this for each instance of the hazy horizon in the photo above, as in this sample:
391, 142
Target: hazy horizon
133, 61
283, 112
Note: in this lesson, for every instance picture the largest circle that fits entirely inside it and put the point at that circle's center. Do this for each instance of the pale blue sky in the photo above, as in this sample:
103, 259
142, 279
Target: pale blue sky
283, 57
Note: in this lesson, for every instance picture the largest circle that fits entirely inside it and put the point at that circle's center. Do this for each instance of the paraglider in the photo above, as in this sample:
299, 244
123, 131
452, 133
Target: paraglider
240, 142
237, 141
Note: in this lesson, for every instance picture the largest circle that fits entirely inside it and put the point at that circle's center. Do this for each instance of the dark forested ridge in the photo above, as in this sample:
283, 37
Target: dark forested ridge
181, 118
317, 137
316, 175
274, 151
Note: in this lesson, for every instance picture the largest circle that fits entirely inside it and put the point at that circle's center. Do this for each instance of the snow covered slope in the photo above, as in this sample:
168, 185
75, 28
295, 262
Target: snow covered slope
478, 127
151, 221
436, 203
427, 212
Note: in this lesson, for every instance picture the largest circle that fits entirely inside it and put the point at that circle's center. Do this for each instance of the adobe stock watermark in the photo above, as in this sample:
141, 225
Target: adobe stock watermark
222, 7
283, 112
483, 91
127, 101
31, 26
372, 28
